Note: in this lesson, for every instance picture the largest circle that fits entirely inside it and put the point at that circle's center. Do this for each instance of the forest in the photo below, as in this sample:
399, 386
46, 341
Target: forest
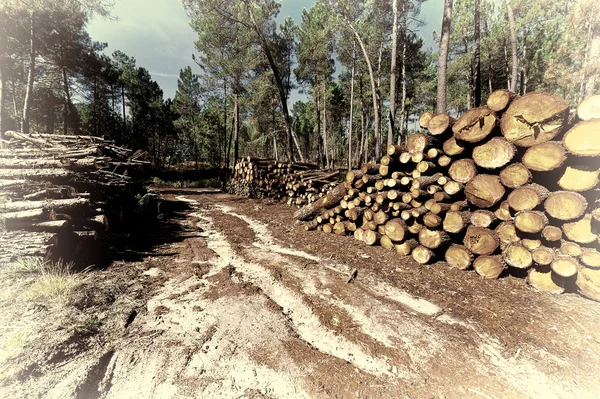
362, 65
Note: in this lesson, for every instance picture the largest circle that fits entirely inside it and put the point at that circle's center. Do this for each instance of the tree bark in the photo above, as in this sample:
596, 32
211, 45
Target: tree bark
351, 108
236, 126
392, 116
443, 58
404, 48
513, 46
30, 75
477, 55
324, 123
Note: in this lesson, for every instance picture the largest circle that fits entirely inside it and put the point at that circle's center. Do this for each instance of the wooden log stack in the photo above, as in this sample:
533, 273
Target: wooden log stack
300, 183
507, 188
59, 194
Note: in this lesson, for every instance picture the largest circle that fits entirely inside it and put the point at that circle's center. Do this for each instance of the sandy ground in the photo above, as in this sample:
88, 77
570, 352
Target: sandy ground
237, 301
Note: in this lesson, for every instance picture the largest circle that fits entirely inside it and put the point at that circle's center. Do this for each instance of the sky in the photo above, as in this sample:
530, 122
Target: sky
158, 34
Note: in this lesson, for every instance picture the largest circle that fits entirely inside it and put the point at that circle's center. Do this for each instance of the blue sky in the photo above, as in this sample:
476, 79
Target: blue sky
158, 35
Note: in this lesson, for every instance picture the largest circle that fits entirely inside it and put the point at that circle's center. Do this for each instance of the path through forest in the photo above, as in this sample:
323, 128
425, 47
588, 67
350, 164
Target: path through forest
246, 304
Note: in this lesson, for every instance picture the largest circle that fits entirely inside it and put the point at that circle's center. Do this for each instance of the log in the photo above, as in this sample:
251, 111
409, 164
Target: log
440, 207
480, 240
432, 220
570, 249
582, 140
531, 221
580, 231
546, 281
444, 161
406, 247
422, 255
418, 142
353, 175
564, 266
565, 205
371, 237
339, 229
12, 220
517, 256
579, 177
433, 239
459, 256
515, 175
590, 258
528, 197
482, 218
484, 191
545, 157
359, 234
507, 233
395, 229
380, 217
534, 118
60, 205
333, 197
452, 148
424, 119
452, 187
475, 125
328, 228
494, 154
531, 243
503, 211
386, 243
369, 168
499, 100
456, 221
463, 170
439, 124
589, 108
552, 233
489, 266
588, 282
542, 256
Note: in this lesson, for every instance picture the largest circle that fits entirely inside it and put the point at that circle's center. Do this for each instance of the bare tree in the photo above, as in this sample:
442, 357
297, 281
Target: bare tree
443, 58
513, 45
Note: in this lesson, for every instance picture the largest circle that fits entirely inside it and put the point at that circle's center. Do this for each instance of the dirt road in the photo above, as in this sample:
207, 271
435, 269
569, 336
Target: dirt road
243, 303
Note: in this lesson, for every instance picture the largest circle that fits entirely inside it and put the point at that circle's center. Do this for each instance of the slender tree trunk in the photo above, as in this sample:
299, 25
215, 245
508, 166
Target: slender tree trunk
30, 75
490, 77
321, 146
523, 87
123, 107
392, 116
351, 108
477, 55
278, 80
324, 123
1, 96
513, 45
593, 59
236, 127
362, 137
379, 140
67, 101
275, 147
404, 48
14, 104
225, 142
443, 58
372, 78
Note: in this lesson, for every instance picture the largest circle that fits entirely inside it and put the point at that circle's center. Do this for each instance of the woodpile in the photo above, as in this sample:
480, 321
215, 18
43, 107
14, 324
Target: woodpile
300, 183
60, 194
507, 188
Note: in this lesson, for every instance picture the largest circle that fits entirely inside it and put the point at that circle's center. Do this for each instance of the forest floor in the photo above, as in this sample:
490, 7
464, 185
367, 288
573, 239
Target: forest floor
235, 300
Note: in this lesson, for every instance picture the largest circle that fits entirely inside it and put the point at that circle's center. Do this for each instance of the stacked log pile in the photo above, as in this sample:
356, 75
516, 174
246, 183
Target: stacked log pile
58, 194
511, 187
300, 183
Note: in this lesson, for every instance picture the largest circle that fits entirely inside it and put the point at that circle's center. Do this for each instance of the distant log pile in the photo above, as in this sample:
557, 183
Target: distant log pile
300, 183
508, 187
59, 194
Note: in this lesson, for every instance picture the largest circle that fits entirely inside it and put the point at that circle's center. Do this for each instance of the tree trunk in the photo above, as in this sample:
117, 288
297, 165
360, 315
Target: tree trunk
123, 108
443, 58
379, 138
373, 85
477, 55
30, 75
1, 95
351, 108
279, 82
226, 148
593, 59
513, 46
523, 87
236, 127
67, 101
324, 124
404, 48
392, 116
